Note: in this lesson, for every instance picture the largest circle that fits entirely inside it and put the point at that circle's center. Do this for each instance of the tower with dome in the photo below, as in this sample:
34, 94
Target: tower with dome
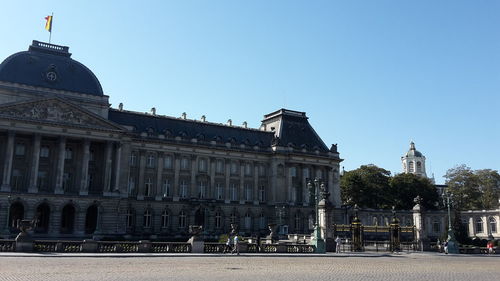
414, 162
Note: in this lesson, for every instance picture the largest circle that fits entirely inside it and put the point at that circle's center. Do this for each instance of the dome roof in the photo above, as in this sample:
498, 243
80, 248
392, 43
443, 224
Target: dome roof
413, 152
49, 66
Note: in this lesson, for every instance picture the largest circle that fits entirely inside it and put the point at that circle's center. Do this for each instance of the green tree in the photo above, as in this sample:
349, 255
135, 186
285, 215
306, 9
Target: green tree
405, 187
366, 186
465, 186
489, 186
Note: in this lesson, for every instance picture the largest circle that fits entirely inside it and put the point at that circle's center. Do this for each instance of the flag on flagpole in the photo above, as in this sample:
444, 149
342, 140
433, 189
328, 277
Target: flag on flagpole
48, 24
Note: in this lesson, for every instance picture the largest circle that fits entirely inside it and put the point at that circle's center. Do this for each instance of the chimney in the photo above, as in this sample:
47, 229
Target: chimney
120, 106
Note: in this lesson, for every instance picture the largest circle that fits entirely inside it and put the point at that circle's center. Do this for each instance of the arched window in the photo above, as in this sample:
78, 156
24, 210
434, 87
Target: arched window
147, 219
68, 219
493, 224
42, 218
374, 221
182, 219
16, 213
165, 219
91, 219
412, 166
479, 225
419, 167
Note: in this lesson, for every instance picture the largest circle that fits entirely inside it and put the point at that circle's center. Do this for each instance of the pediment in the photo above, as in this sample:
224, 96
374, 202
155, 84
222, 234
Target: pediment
56, 111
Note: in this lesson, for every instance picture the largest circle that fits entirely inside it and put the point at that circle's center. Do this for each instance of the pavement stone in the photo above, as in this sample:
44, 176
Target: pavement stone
350, 266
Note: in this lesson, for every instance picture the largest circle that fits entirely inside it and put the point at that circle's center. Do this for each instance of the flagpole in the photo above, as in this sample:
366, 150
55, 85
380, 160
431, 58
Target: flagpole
51, 21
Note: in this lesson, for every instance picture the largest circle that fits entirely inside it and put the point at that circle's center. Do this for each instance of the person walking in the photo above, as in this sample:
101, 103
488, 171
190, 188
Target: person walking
446, 247
235, 245
228, 247
490, 247
338, 246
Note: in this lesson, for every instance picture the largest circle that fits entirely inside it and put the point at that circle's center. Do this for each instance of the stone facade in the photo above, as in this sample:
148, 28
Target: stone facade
80, 168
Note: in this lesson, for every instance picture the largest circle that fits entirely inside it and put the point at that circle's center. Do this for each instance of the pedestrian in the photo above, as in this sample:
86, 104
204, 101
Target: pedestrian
438, 244
446, 247
490, 247
258, 243
235, 245
227, 247
338, 247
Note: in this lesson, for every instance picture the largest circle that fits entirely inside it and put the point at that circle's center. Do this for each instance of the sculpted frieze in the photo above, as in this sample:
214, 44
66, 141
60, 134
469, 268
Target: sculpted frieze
52, 111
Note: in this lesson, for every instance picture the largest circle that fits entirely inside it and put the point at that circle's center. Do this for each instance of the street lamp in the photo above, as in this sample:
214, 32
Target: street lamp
452, 243
318, 191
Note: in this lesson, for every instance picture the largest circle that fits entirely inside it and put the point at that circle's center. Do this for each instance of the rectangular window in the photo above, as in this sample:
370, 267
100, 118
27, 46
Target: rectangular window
148, 187
293, 172
166, 188
133, 159
219, 168
131, 185
184, 163
42, 180
150, 161
262, 170
183, 189
167, 162
202, 165
20, 149
68, 155
44, 152
248, 192
248, 169
262, 193
234, 192
234, 168
219, 189
202, 189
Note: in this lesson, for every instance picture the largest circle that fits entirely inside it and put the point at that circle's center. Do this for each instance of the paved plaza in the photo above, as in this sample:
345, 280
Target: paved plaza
416, 266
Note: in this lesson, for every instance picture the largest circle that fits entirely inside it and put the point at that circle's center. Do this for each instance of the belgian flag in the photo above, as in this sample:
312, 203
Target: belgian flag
48, 24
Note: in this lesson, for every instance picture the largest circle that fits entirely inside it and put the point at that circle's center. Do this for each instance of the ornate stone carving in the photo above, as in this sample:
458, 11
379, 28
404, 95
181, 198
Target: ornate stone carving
53, 111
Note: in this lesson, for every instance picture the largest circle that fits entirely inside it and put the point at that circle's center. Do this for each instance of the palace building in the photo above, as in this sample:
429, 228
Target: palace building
80, 168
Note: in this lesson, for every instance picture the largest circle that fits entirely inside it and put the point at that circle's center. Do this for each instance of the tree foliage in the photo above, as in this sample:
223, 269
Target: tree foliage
478, 189
366, 187
405, 187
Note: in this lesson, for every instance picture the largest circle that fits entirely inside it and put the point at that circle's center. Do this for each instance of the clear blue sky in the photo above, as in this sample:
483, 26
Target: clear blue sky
371, 75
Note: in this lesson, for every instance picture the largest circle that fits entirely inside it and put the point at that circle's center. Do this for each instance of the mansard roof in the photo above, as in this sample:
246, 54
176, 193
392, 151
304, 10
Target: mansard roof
295, 130
189, 129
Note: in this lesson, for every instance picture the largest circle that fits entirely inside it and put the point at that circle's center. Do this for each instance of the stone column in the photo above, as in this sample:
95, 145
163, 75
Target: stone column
61, 153
177, 166
242, 182
142, 170
193, 188
108, 152
288, 182
9, 157
84, 178
118, 155
305, 189
256, 183
35, 160
274, 180
159, 174
227, 189
211, 187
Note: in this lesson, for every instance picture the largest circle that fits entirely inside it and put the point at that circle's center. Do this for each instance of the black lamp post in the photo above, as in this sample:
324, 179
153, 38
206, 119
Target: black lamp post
318, 191
452, 243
